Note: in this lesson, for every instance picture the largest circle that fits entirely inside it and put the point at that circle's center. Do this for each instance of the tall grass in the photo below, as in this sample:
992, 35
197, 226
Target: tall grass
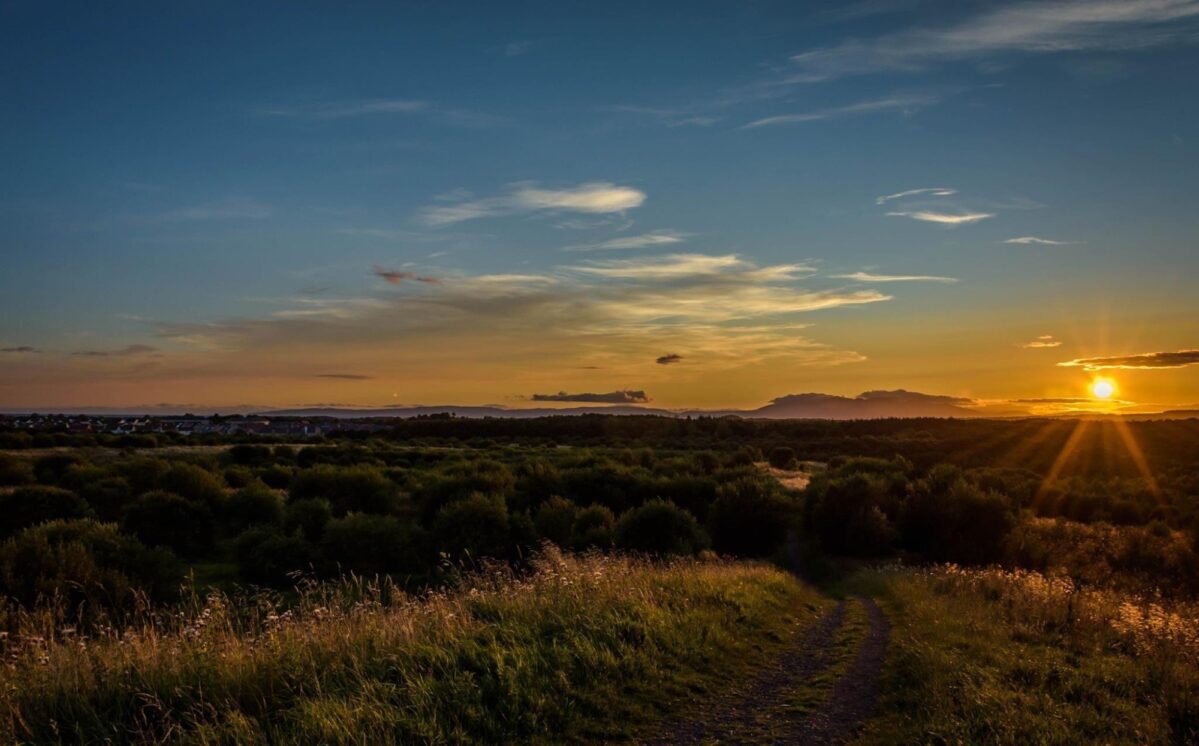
582, 647
999, 656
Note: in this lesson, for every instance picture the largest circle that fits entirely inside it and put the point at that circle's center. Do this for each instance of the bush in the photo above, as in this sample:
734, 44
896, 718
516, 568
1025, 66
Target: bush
846, 514
51, 469
555, 520
249, 455
83, 562
373, 545
782, 457
276, 476
952, 520
309, 517
238, 477
749, 518
14, 470
143, 473
165, 519
108, 496
353, 489
459, 481
253, 506
660, 527
29, 506
193, 483
476, 526
266, 556
593, 527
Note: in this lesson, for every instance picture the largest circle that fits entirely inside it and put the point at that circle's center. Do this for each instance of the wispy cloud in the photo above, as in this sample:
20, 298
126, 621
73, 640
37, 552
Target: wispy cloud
613, 397
21, 350
516, 48
1040, 27
893, 103
344, 109
868, 277
396, 276
231, 208
729, 313
129, 350
943, 218
670, 359
643, 241
345, 376
375, 107
594, 197
930, 191
1144, 361
1044, 341
668, 116
1029, 240
672, 266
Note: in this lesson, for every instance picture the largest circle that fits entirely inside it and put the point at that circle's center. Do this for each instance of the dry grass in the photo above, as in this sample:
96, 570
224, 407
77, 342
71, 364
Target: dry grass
583, 647
998, 656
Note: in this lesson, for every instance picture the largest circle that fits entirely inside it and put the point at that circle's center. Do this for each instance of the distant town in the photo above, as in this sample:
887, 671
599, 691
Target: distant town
182, 425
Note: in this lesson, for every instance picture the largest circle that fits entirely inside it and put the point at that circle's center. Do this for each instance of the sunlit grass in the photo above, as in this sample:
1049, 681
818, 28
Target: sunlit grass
997, 656
583, 647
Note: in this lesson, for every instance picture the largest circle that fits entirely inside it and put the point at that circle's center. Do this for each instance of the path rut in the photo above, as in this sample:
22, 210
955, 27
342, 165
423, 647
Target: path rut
760, 713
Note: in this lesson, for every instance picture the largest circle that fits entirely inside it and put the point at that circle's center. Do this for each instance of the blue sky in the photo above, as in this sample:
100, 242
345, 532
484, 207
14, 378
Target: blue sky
177, 175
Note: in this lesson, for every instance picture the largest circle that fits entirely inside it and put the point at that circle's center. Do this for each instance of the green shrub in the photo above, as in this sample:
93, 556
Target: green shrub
165, 519
83, 562
266, 556
476, 526
352, 489
29, 506
749, 517
51, 469
193, 483
555, 520
593, 527
660, 527
782, 457
309, 517
373, 545
108, 496
276, 476
249, 455
14, 471
253, 506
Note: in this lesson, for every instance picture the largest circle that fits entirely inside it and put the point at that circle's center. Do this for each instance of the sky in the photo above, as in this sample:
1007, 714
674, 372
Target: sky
690, 205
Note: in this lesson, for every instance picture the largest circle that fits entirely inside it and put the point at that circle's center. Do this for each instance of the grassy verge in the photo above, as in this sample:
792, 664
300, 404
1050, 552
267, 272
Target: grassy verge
989, 656
585, 648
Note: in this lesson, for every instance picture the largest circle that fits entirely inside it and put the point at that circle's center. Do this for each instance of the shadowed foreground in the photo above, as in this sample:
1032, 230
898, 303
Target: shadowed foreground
584, 649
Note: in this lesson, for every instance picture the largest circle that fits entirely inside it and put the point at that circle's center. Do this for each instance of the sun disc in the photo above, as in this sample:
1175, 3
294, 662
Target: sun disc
1101, 388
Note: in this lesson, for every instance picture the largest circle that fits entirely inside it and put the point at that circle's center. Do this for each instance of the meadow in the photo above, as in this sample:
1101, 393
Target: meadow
541, 586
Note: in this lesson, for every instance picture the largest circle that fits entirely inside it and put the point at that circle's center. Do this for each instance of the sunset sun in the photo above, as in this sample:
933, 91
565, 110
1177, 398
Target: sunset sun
1103, 388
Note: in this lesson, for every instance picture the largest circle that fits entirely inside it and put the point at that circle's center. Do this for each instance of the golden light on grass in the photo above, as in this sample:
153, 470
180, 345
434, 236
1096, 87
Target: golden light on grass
1103, 388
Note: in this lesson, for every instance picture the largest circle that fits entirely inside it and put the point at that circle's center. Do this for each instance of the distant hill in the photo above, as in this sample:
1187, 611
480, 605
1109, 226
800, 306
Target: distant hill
460, 411
865, 406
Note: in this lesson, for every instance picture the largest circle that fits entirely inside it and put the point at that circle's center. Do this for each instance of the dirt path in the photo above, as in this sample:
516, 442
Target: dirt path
856, 692
766, 710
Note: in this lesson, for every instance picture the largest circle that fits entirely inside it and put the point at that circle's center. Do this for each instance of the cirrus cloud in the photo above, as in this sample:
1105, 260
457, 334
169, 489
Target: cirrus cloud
1030, 240
1045, 341
942, 218
869, 277
593, 197
612, 397
930, 191
1143, 361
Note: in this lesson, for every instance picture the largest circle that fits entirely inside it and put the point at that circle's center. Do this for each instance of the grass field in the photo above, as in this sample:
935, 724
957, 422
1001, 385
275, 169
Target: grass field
992, 656
584, 648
